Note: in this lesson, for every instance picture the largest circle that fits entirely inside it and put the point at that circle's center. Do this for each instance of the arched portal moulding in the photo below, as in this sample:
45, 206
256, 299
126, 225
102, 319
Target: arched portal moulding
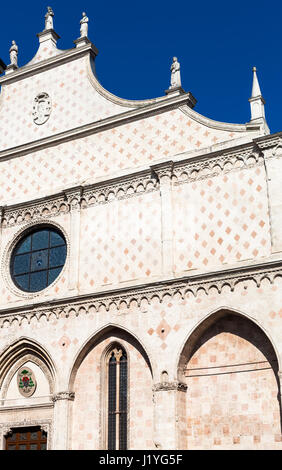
20, 363
24, 349
201, 327
119, 332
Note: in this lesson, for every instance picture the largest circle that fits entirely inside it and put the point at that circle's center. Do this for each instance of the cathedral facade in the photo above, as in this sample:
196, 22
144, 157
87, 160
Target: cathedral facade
141, 264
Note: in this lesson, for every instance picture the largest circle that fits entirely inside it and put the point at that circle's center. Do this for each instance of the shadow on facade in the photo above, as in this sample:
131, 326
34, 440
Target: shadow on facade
193, 364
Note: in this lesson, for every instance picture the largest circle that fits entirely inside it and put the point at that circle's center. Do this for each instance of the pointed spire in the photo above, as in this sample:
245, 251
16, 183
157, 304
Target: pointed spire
256, 101
256, 88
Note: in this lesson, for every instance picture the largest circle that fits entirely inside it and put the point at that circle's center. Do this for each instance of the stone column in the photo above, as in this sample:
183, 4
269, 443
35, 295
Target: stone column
61, 419
164, 174
73, 198
166, 414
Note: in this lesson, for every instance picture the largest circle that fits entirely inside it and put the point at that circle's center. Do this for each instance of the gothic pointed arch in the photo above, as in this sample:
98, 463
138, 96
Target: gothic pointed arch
112, 380
230, 367
98, 337
210, 319
20, 351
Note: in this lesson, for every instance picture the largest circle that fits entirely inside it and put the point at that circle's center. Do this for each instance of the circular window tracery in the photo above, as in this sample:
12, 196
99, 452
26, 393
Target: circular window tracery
38, 259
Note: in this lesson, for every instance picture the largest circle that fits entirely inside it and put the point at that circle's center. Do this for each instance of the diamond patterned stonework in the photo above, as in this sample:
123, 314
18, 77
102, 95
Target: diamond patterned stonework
160, 231
127, 147
221, 220
120, 241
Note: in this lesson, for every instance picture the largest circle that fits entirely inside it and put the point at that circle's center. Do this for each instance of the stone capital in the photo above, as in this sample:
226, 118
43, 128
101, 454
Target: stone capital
73, 197
163, 171
63, 396
167, 386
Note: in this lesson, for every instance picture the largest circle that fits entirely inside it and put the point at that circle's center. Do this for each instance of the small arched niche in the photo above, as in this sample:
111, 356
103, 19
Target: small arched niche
27, 370
26, 373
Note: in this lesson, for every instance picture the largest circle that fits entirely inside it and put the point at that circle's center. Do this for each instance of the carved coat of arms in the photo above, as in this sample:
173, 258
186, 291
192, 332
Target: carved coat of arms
41, 108
26, 382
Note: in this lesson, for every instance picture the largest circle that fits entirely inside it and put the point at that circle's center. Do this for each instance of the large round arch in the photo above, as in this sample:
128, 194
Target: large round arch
230, 367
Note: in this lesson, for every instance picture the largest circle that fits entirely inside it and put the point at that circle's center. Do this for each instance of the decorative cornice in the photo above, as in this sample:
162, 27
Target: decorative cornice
201, 167
119, 188
125, 186
34, 210
73, 198
4, 408
122, 298
62, 57
167, 386
94, 127
163, 170
223, 126
269, 141
91, 75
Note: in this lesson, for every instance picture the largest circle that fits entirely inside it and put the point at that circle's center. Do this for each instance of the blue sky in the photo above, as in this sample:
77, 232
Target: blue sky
217, 44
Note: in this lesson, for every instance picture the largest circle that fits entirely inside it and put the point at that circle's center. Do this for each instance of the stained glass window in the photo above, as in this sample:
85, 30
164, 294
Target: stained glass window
117, 400
38, 259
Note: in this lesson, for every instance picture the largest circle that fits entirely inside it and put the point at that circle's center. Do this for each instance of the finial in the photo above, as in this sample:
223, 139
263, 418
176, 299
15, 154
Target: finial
49, 19
256, 88
84, 26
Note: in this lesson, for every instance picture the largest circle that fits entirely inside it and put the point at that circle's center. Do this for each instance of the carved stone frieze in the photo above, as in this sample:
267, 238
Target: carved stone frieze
73, 197
123, 298
202, 168
269, 141
164, 170
37, 210
123, 188
78, 197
